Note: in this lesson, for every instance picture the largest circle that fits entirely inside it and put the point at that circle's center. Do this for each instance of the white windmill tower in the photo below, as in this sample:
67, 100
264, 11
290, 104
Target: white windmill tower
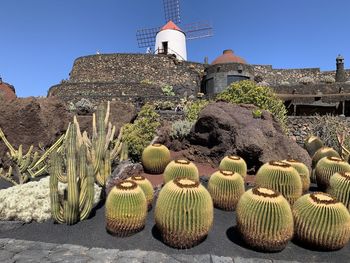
171, 39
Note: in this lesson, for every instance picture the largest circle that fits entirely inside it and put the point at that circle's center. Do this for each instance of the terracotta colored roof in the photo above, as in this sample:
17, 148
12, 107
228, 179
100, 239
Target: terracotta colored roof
171, 25
228, 57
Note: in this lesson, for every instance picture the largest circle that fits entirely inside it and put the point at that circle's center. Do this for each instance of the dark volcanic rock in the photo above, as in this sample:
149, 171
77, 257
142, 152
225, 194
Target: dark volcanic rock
223, 128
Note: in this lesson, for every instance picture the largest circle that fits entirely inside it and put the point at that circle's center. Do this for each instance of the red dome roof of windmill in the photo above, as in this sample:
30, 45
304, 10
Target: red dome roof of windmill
170, 25
228, 57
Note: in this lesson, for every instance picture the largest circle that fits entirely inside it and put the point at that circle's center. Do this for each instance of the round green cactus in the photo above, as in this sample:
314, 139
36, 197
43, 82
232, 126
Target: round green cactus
281, 177
181, 169
184, 213
126, 209
146, 187
235, 164
264, 219
321, 221
312, 144
339, 187
226, 187
303, 172
323, 152
328, 166
155, 158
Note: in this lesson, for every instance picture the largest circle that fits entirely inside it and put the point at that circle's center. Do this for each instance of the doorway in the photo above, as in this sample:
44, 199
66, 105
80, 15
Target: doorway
165, 47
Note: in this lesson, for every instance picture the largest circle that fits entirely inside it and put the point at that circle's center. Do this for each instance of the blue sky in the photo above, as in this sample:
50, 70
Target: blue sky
41, 38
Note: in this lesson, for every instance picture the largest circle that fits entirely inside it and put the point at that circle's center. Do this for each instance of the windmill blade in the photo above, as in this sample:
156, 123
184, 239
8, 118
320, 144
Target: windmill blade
146, 37
172, 11
198, 30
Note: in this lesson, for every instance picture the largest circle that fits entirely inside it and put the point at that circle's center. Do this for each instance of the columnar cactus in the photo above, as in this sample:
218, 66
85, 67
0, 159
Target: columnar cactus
181, 169
303, 172
235, 164
323, 152
312, 144
79, 195
339, 187
281, 177
146, 187
328, 166
264, 219
155, 158
184, 213
321, 221
226, 187
126, 209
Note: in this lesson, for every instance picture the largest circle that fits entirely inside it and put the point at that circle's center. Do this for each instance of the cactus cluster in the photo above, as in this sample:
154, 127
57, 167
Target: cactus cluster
146, 187
323, 152
226, 187
155, 158
321, 221
184, 213
281, 177
181, 169
235, 164
303, 172
312, 144
339, 187
126, 209
264, 219
328, 166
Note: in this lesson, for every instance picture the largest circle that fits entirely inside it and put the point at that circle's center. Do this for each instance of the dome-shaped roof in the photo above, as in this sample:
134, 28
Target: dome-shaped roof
228, 57
170, 25
7, 91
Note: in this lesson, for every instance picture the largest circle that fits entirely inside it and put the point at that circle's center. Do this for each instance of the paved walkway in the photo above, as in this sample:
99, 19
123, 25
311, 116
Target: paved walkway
17, 251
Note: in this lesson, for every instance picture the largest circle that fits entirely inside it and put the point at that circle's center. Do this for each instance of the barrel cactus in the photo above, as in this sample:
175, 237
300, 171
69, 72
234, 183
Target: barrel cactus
328, 166
281, 177
226, 187
303, 172
181, 169
126, 209
146, 186
184, 213
264, 219
339, 187
155, 158
235, 164
321, 221
312, 144
323, 152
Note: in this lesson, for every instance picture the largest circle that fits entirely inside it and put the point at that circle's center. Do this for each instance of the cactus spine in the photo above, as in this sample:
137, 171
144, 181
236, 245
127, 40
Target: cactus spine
226, 187
155, 158
323, 152
126, 209
79, 195
235, 164
184, 213
321, 221
264, 219
303, 172
312, 144
146, 187
328, 166
339, 187
181, 169
281, 177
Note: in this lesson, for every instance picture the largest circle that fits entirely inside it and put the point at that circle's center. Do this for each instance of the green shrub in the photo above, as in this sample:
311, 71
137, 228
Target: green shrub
139, 134
263, 97
180, 129
168, 90
257, 114
192, 109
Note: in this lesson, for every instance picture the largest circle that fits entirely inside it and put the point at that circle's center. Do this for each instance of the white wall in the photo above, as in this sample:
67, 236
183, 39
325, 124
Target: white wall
176, 42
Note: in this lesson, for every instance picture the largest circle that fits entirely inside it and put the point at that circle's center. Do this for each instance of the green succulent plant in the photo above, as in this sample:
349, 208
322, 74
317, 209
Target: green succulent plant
126, 209
235, 164
328, 166
184, 213
323, 152
146, 187
321, 221
303, 172
181, 169
226, 187
312, 144
339, 187
155, 158
264, 219
281, 177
